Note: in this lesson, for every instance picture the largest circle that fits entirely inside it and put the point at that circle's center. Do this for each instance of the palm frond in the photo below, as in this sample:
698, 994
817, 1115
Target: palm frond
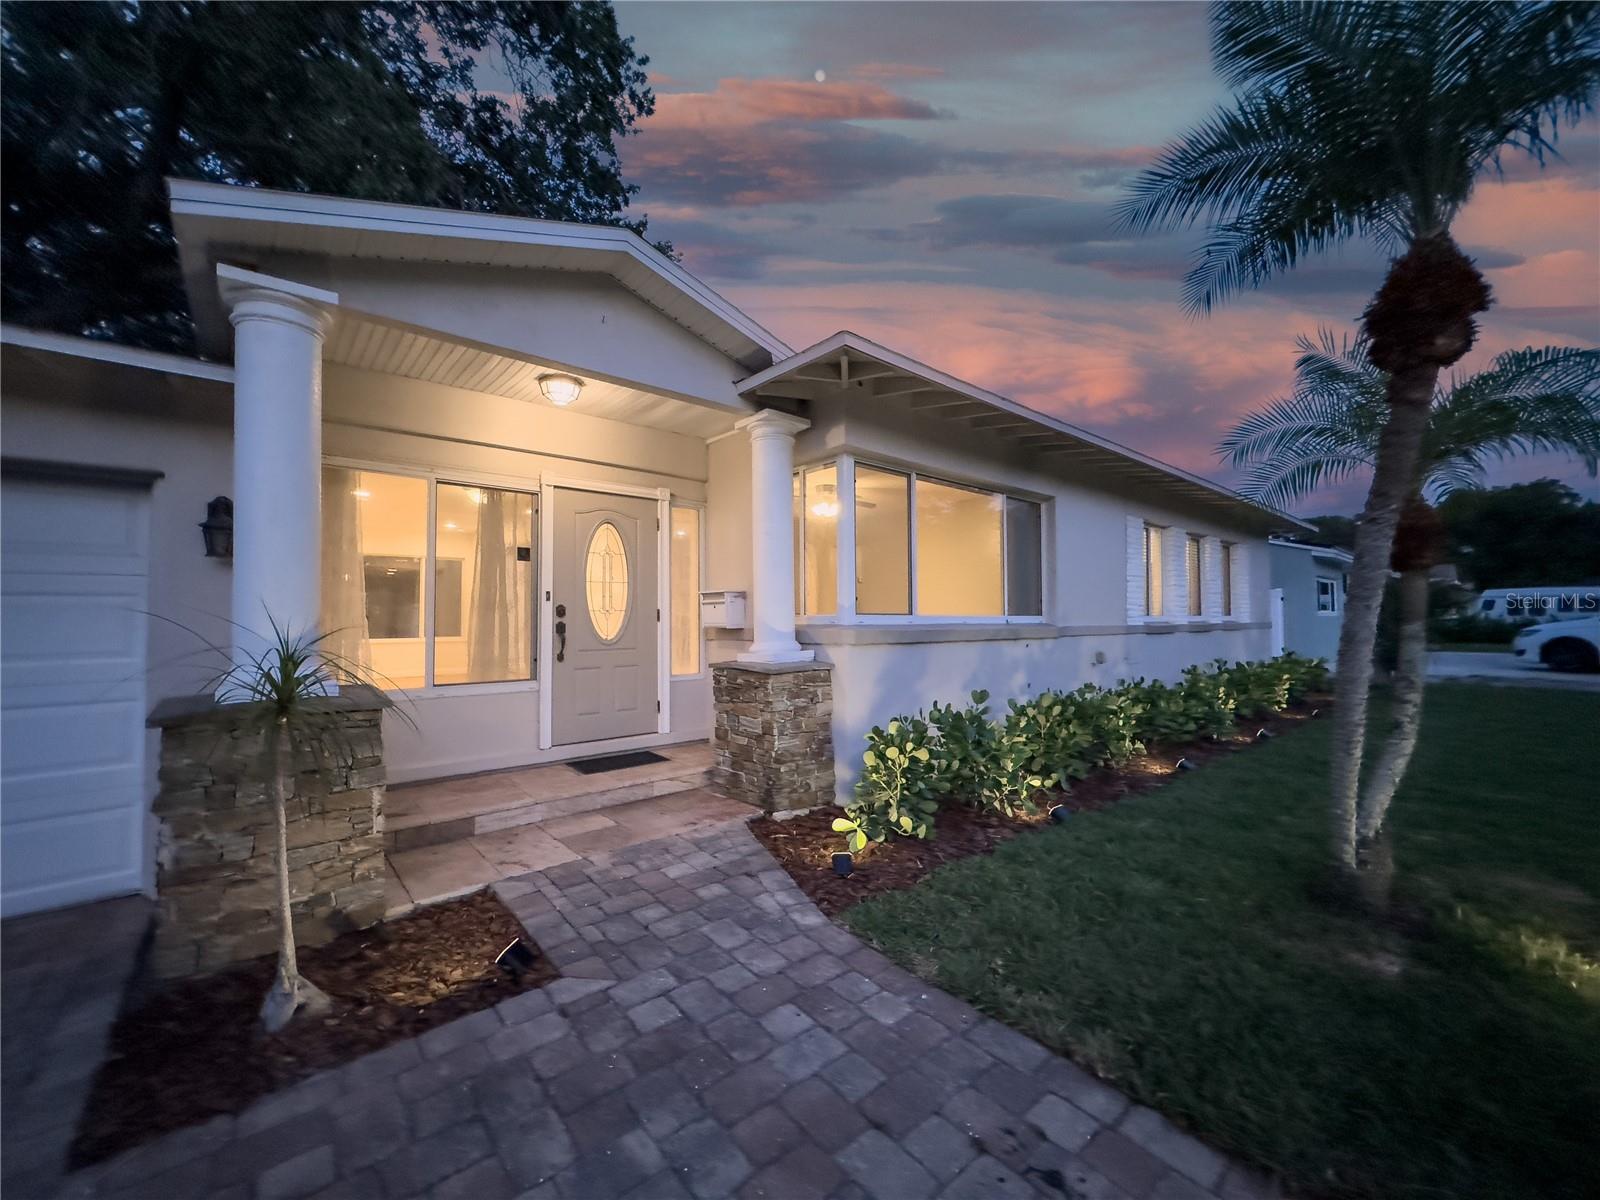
1527, 401
1360, 119
1324, 430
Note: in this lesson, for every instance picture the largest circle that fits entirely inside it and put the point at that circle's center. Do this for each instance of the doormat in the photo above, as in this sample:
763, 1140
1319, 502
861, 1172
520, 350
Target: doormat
615, 762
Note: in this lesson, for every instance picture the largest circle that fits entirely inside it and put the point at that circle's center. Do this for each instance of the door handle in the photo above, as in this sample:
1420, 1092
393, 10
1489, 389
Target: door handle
561, 649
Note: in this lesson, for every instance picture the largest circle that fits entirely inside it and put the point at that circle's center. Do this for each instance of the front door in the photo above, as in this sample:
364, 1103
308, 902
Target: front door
605, 621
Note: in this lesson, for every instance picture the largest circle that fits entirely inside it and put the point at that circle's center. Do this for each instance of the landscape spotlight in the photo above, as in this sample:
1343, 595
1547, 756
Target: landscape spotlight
516, 958
1185, 764
843, 863
1060, 813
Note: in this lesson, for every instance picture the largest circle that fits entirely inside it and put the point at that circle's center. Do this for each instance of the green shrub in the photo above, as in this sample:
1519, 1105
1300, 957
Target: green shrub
1306, 675
898, 788
1113, 718
1164, 715
966, 747
1260, 689
1210, 700
1050, 740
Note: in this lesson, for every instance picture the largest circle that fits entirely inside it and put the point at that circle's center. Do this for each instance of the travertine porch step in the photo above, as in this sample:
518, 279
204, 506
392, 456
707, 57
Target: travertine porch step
426, 814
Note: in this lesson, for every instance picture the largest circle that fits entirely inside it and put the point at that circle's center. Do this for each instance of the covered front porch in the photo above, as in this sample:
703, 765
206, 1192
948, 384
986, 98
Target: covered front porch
486, 477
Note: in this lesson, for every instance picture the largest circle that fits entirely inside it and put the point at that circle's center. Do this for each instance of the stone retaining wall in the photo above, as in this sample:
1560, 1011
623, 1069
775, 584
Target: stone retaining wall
773, 736
216, 871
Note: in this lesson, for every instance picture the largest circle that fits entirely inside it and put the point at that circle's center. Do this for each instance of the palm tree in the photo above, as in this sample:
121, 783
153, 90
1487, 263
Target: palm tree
288, 689
1369, 120
1526, 401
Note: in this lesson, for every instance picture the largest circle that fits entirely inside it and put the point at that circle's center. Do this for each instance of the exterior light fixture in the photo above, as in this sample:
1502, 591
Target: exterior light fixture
1059, 814
843, 863
516, 958
1186, 764
560, 390
217, 528
1263, 734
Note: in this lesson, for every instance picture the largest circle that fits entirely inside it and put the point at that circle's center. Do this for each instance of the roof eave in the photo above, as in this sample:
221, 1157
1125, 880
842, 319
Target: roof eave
845, 342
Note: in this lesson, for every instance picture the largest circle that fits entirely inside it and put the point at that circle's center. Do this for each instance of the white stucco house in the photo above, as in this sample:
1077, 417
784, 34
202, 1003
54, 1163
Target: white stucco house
540, 479
1309, 584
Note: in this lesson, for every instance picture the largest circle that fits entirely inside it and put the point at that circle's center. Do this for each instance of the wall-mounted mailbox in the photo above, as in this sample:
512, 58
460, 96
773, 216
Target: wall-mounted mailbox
722, 610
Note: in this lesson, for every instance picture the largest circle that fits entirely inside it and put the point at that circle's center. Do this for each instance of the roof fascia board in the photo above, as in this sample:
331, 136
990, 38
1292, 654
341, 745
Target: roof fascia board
844, 340
73, 346
228, 202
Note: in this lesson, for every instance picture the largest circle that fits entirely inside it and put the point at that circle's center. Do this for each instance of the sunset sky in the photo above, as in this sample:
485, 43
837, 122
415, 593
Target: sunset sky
945, 188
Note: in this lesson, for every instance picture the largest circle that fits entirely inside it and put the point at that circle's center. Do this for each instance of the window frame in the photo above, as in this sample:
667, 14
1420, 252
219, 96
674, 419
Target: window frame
1225, 568
699, 509
468, 479
1194, 582
1333, 595
847, 614
1155, 569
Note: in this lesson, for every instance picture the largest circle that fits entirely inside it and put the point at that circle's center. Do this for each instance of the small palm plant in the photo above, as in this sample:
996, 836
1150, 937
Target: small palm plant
1526, 401
288, 689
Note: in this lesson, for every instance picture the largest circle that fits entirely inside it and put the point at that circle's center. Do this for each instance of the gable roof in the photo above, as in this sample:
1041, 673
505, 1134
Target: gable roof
1332, 554
847, 359
215, 220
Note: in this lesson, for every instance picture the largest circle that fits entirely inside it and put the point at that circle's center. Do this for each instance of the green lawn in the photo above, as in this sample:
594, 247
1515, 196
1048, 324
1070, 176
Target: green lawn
1171, 945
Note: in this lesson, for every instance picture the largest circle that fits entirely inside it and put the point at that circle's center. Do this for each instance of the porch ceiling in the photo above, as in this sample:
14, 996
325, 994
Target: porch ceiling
868, 372
370, 345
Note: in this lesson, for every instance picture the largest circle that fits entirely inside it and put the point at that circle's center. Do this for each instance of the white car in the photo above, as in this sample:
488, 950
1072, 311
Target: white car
1571, 645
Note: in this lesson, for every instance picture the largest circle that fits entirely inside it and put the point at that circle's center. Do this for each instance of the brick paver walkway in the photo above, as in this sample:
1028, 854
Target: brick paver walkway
714, 1036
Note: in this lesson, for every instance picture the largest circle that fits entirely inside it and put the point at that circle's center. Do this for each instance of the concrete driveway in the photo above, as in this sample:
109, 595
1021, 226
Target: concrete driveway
1503, 669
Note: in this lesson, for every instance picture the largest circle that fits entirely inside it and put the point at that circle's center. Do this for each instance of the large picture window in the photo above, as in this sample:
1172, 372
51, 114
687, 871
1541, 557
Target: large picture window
923, 547
376, 596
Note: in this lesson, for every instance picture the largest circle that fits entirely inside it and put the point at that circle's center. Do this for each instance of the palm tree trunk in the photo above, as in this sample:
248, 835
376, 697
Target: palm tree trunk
1405, 717
1420, 322
291, 992
1398, 449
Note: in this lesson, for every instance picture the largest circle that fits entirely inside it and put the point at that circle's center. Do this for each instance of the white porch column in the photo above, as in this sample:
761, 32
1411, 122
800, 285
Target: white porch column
277, 454
772, 537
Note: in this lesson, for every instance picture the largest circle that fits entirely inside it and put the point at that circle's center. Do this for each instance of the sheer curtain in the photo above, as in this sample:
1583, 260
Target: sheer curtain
498, 629
344, 582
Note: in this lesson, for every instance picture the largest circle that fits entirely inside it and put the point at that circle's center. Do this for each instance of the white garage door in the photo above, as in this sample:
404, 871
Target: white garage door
72, 685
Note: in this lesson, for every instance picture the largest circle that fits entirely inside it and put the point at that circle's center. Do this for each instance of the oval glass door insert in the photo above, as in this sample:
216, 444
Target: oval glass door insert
605, 574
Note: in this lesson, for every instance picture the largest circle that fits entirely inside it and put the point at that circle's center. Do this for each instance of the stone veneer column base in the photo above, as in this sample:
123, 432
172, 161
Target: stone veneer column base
216, 873
773, 737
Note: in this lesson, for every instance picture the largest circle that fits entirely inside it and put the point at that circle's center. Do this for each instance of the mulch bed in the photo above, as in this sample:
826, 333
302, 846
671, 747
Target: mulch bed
195, 1049
804, 846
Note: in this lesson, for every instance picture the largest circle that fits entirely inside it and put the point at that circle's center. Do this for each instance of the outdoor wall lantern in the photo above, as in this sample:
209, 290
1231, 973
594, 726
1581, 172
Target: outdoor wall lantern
217, 528
560, 390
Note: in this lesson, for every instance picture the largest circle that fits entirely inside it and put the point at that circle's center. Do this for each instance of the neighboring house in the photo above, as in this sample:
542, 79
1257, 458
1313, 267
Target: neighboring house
540, 479
1309, 584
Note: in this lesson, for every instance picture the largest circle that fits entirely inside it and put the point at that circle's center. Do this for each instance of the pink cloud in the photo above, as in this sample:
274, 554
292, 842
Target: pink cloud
740, 103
